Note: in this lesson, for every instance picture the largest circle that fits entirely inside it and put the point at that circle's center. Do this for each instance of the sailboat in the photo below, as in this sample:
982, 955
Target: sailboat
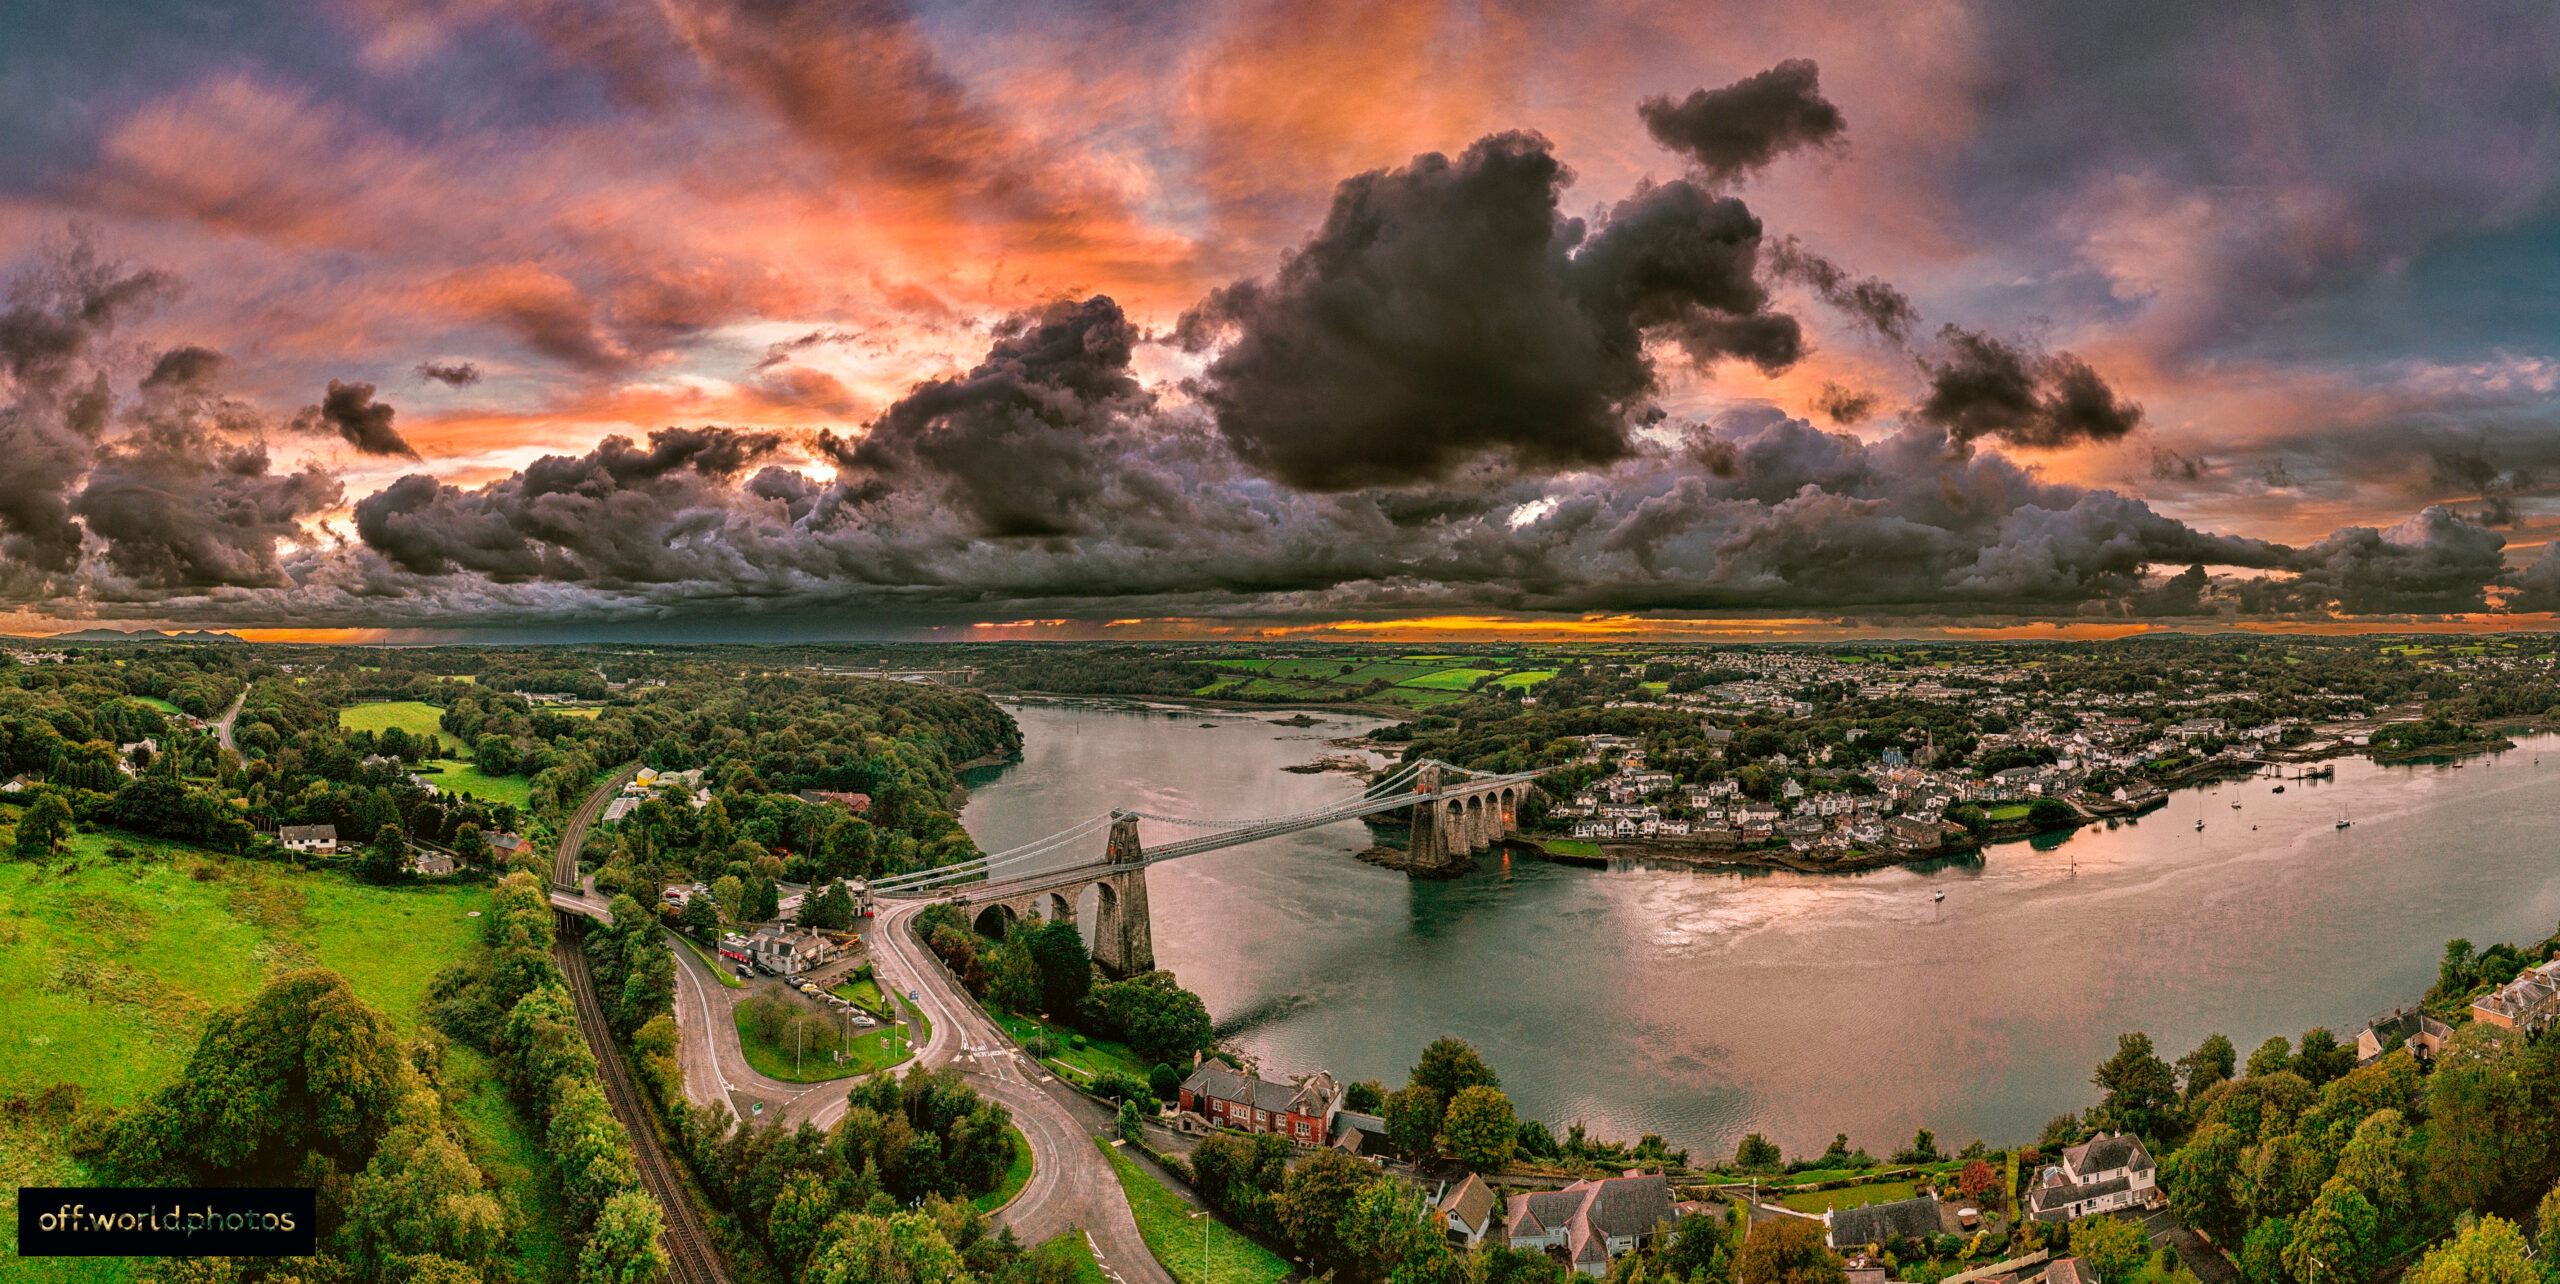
2343, 822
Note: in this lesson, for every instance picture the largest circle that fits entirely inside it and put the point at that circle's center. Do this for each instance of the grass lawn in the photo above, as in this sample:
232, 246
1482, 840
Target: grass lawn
922, 1023
866, 1051
1570, 846
865, 994
416, 717
719, 966
1220, 1256
1079, 1064
463, 778
110, 968
2014, 811
1016, 1176
156, 703
1878, 1192
1080, 1251
506, 1148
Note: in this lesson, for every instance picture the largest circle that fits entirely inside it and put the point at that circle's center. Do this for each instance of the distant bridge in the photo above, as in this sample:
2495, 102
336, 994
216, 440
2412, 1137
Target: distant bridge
1456, 813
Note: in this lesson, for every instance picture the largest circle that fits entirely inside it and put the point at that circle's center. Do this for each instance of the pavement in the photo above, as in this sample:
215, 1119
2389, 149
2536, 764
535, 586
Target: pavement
222, 725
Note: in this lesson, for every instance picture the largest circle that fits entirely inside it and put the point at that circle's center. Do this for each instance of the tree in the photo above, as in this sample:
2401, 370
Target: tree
2262, 1253
624, 1248
1788, 1250
1977, 1179
2212, 1062
2059, 1132
700, 917
1479, 1128
2491, 1252
2335, 1238
2275, 1056
495, 756
1450, 1065
831, 909
1757, 1154
2459, 971
2051, 813
2141, 1092
2116, 1249
470, 846
1413, 1119
1066, 971
764, 901
1316, 1198
2374, 1163
1013, 979
42, 826
385, 857
1366, 1097
1153, 1015
1698, 1251
2202, 1180
1924, 1149
2322, 1058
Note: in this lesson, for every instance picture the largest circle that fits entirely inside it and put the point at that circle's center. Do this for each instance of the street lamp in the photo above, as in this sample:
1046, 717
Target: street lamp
1203, 1215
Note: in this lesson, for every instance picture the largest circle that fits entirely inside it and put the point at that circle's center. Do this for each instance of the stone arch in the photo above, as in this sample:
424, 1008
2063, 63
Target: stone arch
994, 920
1057, 907
1475, 822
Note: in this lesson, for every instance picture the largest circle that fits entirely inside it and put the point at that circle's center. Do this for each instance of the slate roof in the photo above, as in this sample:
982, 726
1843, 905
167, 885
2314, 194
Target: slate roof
1879, 1223
2069, 1270
1470, 1201
2102, 1154
1590, 1213
2052, 1202
1214, 1079
307, 834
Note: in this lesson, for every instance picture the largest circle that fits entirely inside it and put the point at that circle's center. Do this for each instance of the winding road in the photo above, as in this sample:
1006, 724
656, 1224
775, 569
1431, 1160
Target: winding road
1072, 1185
222, 726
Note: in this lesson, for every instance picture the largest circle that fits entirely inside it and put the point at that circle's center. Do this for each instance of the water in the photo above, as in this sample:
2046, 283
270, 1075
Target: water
1703, 1005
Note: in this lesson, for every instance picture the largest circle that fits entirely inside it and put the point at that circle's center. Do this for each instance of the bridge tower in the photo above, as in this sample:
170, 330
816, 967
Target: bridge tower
1439, 840
1123, 937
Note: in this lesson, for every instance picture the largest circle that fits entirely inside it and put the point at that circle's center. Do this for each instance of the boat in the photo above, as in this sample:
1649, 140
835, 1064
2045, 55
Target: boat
1939, 897
2235, 806
2199, 825
2277, 790
2343, 822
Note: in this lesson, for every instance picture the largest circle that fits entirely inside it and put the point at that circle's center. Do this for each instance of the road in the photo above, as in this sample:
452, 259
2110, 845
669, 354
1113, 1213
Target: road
1072, 1186
222, 726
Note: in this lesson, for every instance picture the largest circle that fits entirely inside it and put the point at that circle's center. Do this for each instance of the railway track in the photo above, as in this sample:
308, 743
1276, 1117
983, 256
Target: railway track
573, 837
690, 1257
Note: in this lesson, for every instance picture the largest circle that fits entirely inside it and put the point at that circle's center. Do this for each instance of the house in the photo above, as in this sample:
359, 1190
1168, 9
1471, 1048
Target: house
2104, 1173
503, 847
855, 803
1302, 1111
1589, 1222
2069, 1270
1913, 833
2423, 1035
429, 863
309, 838
1466, 1212
783, 950
1876, 1225
1359, 1134
2525, 1003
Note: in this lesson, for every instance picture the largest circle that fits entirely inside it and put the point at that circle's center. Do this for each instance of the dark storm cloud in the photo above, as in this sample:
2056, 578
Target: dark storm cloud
2538, 588
59, 317
1871, 302
185, 369
1013, 439
2433, 562
1744, 126
349, 410
1985, 388
452, 374
618, 514
2169, 465
777, 353
1447, 310
1844, 405
180, 508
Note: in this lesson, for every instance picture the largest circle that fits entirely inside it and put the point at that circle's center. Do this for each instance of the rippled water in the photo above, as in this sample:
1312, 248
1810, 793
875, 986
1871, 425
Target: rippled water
1706, 1004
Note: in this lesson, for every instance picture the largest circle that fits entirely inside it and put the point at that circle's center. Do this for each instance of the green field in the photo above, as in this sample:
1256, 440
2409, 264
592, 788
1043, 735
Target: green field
2005, 813
1525, 678
461, 777
111, 968
416, 717
1076, 1065
875, 1049
865, 994
1016, 1176
156, 703
1570, 846
1449, 679
1194, 1250
1877, 1192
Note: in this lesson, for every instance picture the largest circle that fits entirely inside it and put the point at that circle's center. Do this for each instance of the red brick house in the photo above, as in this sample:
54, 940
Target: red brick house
1302, 1111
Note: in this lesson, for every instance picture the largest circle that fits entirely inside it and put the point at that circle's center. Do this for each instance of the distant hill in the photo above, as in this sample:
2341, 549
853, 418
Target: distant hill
141, 635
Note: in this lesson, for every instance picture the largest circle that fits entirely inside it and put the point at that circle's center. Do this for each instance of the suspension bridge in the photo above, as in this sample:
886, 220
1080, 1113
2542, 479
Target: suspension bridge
1456, 813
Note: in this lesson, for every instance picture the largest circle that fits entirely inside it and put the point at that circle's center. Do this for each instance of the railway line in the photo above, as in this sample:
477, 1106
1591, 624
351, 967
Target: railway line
690, 1257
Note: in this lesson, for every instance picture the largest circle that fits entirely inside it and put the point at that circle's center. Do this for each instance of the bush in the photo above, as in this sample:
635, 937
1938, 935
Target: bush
1166, 1082
1121, 1087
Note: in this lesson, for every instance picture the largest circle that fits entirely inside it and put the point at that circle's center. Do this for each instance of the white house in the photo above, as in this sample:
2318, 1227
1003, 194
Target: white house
2099, 1175
1466, 1209
1591, 1221
309, 838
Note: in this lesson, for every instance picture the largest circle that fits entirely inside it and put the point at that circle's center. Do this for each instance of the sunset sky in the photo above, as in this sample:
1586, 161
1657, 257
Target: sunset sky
796, 318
